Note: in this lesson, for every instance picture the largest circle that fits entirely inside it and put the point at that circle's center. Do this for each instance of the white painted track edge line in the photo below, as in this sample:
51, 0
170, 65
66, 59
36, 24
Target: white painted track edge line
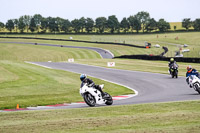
136, 92
37, 64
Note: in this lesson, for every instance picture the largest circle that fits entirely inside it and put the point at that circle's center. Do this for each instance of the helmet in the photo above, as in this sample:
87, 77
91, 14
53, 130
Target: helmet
82, 77
189, 67
172, 59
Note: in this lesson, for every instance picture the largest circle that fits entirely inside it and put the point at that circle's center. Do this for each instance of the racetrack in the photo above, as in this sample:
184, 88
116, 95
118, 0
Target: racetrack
151, 87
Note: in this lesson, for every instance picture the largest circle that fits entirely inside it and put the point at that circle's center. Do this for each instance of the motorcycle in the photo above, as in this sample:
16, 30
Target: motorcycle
174, 70
194, 82
92, 96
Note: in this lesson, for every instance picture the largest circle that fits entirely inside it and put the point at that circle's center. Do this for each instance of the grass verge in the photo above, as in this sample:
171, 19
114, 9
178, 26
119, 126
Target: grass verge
30, 85
25, 52
177, 117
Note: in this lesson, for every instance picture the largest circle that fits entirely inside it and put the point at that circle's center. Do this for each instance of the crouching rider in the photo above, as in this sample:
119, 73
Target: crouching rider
90, 83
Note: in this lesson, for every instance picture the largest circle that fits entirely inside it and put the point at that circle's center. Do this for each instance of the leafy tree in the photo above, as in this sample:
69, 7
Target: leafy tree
10, 25
32, 25
151, 25
89, 24
131, 22
113, 23
21, 24
163, 25
16, 22
52, 24
65, 25
101, 24
38, 19
44, 25
196, 24
82, 23
27, 20
143, 17
1, 25
135, 23
186, 23
59, 21
76, 26
124, 25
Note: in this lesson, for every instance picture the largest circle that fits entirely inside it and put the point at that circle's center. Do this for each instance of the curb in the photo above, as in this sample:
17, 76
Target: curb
57, 106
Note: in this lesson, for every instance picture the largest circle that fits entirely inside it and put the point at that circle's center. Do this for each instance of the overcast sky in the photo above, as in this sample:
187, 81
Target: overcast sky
170, 10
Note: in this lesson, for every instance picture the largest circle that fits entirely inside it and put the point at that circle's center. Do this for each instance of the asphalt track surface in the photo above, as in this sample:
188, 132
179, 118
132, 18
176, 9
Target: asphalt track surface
151, 87
103, 53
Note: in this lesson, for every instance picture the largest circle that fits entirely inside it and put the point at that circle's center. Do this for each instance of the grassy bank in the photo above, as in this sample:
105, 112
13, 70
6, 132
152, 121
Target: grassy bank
178, 117
24, 52
30, 85
164, 39
115, 49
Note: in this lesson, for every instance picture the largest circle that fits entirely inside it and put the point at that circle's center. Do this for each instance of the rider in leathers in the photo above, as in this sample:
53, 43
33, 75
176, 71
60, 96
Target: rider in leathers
171, 63
90, 83
191, 71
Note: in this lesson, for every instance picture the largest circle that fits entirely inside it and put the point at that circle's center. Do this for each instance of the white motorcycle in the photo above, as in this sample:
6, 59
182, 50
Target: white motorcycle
194, 82
93, 96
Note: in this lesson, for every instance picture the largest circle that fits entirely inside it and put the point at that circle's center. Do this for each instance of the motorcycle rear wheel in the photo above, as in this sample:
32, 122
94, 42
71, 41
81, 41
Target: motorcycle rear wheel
109, 99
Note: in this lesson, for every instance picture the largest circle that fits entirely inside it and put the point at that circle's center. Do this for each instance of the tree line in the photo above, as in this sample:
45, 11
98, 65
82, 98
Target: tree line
134, 23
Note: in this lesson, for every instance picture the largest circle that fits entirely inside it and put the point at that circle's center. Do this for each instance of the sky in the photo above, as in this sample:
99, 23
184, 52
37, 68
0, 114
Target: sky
170, 10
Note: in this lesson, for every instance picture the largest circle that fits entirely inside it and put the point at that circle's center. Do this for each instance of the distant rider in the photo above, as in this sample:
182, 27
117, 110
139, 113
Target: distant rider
171, 63
90, 83
191, 71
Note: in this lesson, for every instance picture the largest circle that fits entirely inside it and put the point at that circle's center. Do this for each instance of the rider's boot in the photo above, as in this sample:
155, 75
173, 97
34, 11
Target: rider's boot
100, 89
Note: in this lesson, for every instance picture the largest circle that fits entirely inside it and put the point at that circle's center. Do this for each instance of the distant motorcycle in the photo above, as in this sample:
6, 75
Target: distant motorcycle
174, 70
93, 96
194, 82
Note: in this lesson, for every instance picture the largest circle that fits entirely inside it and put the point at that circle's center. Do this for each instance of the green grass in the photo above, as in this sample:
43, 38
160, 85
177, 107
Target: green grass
177, 117
24, 52
12, 55
115, 49
168, 40
30, 85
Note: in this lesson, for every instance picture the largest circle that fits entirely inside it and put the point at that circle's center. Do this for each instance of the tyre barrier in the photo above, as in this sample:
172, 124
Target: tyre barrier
122, 44
160, 58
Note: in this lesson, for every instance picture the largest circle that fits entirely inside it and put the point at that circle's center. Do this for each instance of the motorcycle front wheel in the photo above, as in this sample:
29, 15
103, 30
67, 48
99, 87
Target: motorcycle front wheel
89, 99
197, 87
